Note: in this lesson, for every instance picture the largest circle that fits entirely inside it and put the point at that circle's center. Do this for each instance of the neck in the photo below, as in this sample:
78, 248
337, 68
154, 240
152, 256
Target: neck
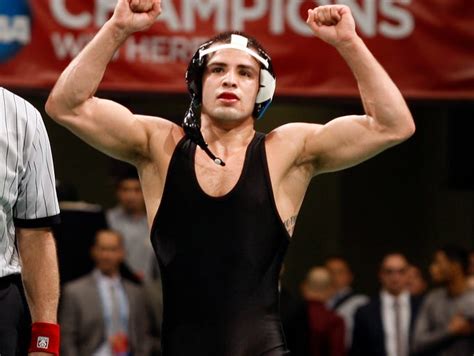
225, 138
394, 293
135, 214
110, 274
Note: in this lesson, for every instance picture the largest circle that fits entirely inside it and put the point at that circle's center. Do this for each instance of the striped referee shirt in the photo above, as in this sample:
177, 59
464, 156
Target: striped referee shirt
27, 184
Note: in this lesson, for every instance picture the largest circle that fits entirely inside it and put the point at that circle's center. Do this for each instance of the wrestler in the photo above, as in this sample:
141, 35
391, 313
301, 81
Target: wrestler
220, 227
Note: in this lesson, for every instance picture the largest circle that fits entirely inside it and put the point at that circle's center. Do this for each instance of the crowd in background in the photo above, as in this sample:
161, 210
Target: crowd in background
112, 301
404, 318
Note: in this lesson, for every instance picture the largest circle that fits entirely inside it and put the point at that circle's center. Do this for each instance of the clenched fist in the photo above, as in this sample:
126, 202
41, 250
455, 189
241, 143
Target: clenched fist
136, 15
333, 24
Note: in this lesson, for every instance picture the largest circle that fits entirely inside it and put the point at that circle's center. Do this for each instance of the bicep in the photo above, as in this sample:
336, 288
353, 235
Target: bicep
344, 142
109, 127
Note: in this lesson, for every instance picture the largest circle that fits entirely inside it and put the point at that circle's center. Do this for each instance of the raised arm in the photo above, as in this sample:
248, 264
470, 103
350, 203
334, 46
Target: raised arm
348, 140
104, 124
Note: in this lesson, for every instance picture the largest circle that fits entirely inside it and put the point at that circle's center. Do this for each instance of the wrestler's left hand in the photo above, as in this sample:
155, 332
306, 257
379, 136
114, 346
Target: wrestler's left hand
333, 24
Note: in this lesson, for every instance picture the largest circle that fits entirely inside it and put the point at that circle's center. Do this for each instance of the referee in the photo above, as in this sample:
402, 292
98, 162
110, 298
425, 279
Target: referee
28, 208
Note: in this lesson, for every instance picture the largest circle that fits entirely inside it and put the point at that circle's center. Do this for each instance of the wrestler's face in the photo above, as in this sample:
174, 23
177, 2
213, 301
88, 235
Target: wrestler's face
230, 85
393, 274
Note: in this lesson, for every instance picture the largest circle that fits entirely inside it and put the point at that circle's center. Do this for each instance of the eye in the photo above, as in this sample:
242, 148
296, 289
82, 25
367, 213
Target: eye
217, 70
246, 73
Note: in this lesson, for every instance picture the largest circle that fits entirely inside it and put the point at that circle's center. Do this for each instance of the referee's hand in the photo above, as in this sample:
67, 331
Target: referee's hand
136, 15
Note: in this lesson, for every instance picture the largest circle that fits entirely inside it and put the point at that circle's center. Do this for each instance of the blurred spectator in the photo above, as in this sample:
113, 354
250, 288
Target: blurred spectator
100, 313
294, 319
383, 327
154, 299
436, 275
130, 220
470, 278
326, 328
416, 283
345, 301
445, 325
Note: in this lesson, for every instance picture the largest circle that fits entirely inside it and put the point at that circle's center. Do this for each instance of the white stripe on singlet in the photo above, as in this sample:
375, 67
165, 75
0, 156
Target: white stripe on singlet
27, 183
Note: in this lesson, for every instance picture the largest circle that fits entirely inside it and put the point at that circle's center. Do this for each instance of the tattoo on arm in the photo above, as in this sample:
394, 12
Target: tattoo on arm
290, 224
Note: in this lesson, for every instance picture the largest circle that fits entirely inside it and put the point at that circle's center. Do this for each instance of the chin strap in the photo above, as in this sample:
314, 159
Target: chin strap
192, 129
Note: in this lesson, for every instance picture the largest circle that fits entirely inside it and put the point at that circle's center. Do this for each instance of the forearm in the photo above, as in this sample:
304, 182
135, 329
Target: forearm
39, 273
381, 98
80, 80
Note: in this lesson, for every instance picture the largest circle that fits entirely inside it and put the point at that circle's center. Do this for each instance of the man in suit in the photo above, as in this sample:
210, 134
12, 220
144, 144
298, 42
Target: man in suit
384, 326
100, 313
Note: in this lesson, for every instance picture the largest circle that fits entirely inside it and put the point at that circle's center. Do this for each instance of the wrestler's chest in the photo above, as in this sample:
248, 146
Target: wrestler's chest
216, 180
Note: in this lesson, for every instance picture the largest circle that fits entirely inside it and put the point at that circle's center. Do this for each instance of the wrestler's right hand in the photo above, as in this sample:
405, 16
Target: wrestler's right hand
135, 15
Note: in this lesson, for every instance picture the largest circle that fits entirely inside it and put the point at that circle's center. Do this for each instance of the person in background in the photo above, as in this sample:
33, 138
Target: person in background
384, 326
345, 301
445, 326
470, 277
129, 218
294, 319
416, 283
102, 314
154, 298
326, 328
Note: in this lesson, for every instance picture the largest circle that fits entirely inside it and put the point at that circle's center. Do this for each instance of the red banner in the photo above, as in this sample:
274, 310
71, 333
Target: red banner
426, 46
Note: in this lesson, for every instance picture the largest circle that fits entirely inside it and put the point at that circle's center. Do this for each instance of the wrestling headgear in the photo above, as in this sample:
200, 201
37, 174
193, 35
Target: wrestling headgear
192, 120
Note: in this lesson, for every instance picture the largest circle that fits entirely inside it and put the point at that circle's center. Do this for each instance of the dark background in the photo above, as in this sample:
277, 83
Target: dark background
412, 198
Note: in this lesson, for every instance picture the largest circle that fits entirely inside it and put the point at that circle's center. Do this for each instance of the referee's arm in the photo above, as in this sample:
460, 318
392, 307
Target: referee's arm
36, 210
39, 272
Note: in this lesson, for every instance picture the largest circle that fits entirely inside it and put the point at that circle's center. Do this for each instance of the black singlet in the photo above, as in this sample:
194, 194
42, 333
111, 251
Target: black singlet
220, 259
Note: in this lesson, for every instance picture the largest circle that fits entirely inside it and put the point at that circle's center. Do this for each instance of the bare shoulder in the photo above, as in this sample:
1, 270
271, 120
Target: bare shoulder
163, 135
290, 140
158, 125
295, 130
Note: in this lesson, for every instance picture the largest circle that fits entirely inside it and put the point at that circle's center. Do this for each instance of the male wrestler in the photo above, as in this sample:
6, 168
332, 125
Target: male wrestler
221, 226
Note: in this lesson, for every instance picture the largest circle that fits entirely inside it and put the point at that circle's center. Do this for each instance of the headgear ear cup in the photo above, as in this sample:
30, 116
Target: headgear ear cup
265, 93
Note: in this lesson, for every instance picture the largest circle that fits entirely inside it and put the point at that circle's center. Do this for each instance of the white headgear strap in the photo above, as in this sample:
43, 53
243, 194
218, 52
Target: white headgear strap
236, 42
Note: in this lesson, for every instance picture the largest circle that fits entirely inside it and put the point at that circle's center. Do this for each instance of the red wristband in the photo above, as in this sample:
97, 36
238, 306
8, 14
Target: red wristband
45, 338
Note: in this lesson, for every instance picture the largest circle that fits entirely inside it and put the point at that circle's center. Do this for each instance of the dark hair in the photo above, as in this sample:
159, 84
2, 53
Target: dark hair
339, 258
125, 172
109, 231
224, 37
456, 254
393, 253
